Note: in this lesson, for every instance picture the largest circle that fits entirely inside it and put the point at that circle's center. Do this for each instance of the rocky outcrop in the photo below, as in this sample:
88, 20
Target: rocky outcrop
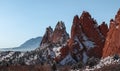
87, 38
112, 43
93, 34
47, 36
60, 36
103, 29
53, 41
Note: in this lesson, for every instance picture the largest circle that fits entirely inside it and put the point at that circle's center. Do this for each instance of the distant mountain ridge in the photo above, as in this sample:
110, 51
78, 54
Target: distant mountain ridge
32, 43
28, 45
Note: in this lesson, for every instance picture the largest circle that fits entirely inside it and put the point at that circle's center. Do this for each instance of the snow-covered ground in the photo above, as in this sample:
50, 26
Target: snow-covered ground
107, 61
104, 62
6, 56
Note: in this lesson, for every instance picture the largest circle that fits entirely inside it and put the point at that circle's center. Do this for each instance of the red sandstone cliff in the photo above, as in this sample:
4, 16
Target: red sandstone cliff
87, 38
112, 43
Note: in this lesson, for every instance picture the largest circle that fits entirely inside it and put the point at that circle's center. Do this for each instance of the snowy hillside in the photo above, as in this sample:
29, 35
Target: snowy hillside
29, 45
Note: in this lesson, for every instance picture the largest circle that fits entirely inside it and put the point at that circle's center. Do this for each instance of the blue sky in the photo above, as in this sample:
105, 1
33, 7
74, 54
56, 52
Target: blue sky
21, 20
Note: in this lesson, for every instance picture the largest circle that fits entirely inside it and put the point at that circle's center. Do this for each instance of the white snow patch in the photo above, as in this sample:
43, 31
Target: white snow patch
51, 53
67, 59
35, 57
85, 57
61, 27
84, 37
57, 50
21, 54
89, 44
7, 56
104, 62
77, 41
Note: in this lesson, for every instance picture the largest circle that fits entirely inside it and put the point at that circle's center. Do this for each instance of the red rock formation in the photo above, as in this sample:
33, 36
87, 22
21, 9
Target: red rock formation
112, 43
60, 35
76, 32
54, 39
87, 38
90, 28
47, 36
64, 51
93, 35
103, 29
76, 27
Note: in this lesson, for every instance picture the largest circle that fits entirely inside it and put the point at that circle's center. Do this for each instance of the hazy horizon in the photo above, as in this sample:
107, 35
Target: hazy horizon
21, 20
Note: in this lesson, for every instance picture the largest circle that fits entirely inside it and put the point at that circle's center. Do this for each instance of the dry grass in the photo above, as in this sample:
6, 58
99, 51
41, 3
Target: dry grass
26, 68
45, 67
64, 68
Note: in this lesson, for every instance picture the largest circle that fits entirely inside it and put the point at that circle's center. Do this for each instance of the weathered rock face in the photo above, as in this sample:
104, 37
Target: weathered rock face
60, 35
103, 29
93, 34
87, 38
47, 36
53, 41
112, 43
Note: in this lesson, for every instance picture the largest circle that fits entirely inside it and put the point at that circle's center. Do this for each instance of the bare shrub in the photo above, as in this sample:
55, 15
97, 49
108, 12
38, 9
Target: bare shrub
64, 68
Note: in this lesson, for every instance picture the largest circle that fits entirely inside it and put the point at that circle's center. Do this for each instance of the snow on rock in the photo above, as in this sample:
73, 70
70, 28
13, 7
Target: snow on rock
89, 44
104, 62
22, 54
7, 56
77, 41
52, 54
85, 57
57, 51
68, 59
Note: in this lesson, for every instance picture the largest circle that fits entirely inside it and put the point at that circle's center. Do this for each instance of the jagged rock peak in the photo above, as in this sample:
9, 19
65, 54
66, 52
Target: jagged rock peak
85, 14
118, 13
85, 31
112, 23
87, 20
60, 35
76, 27
60, 25
103, 29
49, 29
117, 17
49, 32
47, 36
76, 19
